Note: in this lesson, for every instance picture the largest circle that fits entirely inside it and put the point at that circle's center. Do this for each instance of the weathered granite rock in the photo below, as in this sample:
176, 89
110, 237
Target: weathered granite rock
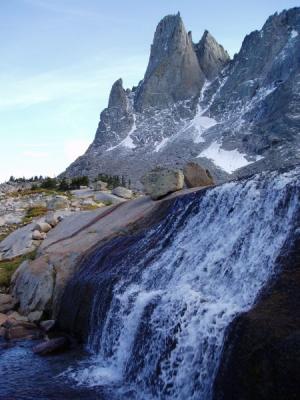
39, 285
42, 227
37, 235
108, 198
33, 285
122, 192
162, 181
52, 220
17, 243
196, 176
7, 302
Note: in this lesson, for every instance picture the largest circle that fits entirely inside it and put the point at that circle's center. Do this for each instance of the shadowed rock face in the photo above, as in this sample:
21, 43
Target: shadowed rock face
173, 71
211, 56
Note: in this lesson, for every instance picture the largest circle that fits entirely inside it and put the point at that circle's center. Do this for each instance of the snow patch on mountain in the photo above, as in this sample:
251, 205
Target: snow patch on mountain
127, 142
228, 160
294, 34
161, 144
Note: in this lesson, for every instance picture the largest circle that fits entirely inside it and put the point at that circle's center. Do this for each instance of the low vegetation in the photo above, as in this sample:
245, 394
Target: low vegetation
34, 212
7, 268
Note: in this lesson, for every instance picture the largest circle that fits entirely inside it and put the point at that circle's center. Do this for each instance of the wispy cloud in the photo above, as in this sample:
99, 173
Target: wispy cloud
82, 81
59, 7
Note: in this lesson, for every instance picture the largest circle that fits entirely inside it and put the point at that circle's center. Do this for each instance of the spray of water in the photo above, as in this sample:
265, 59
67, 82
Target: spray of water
182, 283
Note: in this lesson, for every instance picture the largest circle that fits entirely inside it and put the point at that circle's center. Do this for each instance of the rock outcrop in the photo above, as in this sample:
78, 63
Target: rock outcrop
122, 192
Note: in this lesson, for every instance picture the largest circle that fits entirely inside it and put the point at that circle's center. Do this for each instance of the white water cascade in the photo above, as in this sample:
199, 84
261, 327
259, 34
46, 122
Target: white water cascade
181, 284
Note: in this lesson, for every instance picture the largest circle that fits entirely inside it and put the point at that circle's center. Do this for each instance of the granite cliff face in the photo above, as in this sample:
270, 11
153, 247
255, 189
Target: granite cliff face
173, 72
235, 117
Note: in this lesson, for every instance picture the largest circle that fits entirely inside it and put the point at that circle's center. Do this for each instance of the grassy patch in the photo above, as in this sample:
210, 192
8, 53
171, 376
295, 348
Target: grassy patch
34, 212
28, 192
3, 236
7, 268
89, 207
107, 203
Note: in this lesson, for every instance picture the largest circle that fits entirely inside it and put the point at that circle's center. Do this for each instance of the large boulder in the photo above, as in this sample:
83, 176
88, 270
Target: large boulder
196, 176
123, 192
100, 185
42, 227
162, 181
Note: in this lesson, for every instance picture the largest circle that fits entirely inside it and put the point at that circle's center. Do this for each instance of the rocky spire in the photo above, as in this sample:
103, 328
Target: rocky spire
173, 71
211, 55
117, 97
116, 120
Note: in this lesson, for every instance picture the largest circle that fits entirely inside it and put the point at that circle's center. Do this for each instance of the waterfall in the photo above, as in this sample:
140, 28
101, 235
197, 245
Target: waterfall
162, 300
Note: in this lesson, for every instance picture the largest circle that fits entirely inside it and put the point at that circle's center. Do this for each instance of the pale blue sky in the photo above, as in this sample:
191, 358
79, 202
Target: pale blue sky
59, 59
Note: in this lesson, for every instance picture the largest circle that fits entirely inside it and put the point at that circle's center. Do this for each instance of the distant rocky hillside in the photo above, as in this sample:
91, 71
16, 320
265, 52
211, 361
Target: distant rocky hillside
234, 116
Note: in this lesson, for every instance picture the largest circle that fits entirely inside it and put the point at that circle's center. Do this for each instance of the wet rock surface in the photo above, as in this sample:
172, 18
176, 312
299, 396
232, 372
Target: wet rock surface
261, 359
51, 346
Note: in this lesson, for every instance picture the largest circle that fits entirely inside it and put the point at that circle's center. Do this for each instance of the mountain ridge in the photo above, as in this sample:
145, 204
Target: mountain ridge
235, 116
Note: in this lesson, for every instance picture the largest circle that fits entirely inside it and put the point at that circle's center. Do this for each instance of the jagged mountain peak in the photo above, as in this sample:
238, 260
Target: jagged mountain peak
211, 55
244, 119
173, 71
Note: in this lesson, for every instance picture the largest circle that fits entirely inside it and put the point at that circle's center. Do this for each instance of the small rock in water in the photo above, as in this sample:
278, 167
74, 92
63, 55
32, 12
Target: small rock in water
51, 346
